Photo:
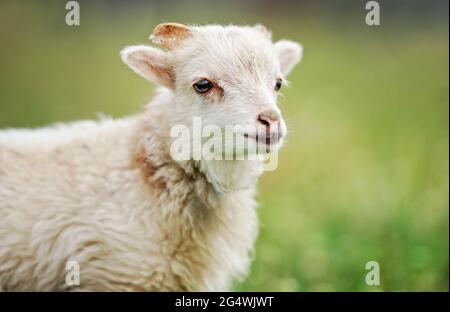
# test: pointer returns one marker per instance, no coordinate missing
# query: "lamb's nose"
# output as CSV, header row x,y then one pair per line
x,y
270,119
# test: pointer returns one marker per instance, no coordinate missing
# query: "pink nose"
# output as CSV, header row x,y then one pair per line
x,y
270,119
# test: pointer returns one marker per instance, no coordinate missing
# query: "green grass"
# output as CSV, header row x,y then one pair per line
x,y
363,176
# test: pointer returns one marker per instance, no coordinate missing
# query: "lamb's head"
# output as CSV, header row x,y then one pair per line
x,y
227,75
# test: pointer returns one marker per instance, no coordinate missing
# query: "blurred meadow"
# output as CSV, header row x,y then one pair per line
x,y
364,174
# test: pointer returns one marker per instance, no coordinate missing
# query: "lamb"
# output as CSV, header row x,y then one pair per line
x,y
108,195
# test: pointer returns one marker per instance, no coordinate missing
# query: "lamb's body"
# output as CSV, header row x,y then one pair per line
x,y
108,194
87,192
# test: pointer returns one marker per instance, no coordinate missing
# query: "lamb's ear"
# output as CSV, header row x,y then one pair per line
x,y
170,35
289,53
151,63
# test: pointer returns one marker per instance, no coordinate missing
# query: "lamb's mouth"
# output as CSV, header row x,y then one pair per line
x,y
267,139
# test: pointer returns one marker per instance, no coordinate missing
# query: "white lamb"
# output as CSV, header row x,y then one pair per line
x,y
108,195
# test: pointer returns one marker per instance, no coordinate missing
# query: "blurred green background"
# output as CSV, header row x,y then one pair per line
x,y
364,174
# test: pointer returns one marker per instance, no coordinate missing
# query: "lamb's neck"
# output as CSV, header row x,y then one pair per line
x,y
230,175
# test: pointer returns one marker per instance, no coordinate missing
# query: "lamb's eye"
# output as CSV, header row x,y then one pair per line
x,y
203,86
278,84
